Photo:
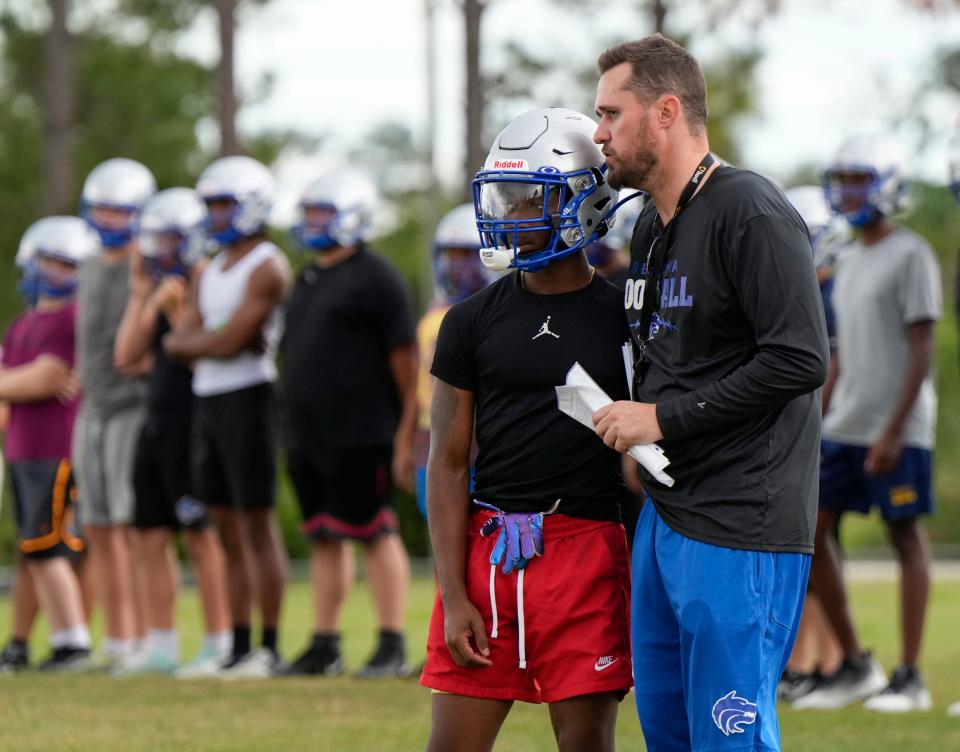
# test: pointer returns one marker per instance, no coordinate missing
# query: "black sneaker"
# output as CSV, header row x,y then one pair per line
x,y
795,684
386,663
904,694
854,681
315,662
15,657
67,659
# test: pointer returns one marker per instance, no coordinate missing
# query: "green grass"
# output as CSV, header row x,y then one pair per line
x,y
101,714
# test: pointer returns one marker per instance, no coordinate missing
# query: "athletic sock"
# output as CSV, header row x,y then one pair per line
x,y
391,641
60,638
269,640
78,636
164,642
241,639
220,643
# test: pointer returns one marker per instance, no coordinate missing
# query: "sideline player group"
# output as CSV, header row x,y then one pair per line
x,y
143,402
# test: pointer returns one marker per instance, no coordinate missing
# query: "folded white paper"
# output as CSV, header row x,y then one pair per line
x,y
580,397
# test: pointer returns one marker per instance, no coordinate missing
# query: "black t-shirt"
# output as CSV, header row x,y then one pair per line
x,y
735,366
341,325
511,348
171,393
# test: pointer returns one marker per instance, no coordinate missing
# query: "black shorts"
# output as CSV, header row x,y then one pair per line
x,y
44,505
161,477
234,446
344,493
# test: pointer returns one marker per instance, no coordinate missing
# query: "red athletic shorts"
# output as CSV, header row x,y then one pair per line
x,y
576,606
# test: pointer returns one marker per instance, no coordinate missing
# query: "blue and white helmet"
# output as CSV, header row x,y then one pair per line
x,y
457,279
954,166
883,193
251,188
545,165
828,231
171,231
350,200
121,184
67,239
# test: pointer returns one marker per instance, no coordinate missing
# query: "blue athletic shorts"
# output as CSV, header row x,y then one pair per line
x,y
904,494
712,629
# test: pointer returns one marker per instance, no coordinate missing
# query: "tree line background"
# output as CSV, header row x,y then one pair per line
x,y
85,80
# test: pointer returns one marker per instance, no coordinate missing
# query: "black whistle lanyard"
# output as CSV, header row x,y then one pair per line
x,y
657,258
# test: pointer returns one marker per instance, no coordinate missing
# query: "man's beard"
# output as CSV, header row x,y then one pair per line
x,y
634,172
635,167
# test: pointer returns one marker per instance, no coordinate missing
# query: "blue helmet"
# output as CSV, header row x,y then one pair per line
x,y
349,200
171,232
120,184
828,231
249,186
67,239
883,190
544,175
457,278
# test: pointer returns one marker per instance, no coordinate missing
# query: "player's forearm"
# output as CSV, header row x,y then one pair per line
x,y
194,344
448,500
833,373
28,384
403,368
135,332
921,358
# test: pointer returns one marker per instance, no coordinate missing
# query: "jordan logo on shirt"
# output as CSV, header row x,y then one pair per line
x,y
545,329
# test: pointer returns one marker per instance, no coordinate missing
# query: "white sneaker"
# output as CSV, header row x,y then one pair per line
x,y
205,665
262,663
854,681
904,694
154,662
954,709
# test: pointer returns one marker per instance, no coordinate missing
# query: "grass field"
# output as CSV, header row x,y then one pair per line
x,y
97,713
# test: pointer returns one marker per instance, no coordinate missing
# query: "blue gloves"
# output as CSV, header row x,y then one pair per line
x,y
521,536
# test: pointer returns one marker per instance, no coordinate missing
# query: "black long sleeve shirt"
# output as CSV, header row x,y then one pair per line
x,y
735,366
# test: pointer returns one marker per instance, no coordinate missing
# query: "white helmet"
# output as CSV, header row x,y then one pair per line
x,y
118,183
249,185
171,231
67,239
546,165
458,278
884,189
828,231
954,162
350,199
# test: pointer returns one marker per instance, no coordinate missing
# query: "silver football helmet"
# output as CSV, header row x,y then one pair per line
x,y
120,184
171,231
69,240
250,189
544,178
337,209
828,231
883,190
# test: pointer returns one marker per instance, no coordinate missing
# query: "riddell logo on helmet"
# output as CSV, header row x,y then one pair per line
x,y
509,164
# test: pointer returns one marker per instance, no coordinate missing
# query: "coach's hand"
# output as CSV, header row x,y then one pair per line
x,y
623,424
461,623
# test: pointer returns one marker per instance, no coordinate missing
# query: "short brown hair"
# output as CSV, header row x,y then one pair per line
x,y
661,66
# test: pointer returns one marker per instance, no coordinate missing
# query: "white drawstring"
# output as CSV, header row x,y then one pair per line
x,y
521,630
493,598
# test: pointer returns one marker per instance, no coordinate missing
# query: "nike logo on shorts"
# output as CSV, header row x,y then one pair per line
x,y
604,663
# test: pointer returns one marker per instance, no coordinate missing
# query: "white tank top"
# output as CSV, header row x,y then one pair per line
x,y
221,293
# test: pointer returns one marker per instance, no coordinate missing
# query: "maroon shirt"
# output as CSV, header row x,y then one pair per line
x,y
42,429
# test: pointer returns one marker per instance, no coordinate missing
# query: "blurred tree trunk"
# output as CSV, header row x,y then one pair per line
x,y
58,166
476,150
658,9
226,84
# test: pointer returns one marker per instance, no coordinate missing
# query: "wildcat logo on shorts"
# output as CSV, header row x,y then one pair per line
x,y
732,712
